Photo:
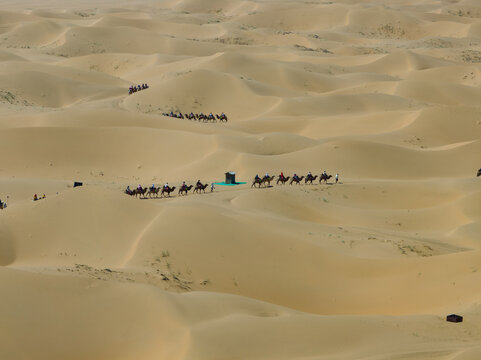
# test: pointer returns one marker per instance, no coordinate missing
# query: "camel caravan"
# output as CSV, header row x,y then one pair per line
x,y
134,89
166,190
295,179
198,117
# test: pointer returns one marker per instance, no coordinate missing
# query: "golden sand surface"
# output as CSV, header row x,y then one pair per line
x,y
385,93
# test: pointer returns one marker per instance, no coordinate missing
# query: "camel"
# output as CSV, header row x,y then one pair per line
x,y
167,190
154,191
257,181
479,172
221,117
267,179
185,189
296,180
324,177
310,178
283,180
140,192
200,187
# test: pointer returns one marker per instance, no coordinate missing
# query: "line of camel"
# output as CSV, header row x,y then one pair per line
x,y
198,117
308,179
165,190
134,89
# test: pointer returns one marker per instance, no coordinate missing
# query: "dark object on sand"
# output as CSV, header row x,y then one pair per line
x,y
479,172
77,183
230,177
454,318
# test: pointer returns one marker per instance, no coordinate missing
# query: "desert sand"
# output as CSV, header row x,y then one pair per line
x,y
385,93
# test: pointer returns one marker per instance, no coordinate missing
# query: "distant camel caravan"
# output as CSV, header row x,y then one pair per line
x,y
134,89
308,179
198,117
165,190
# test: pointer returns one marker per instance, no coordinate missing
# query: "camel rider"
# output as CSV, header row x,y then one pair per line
x,y
128,191
324,173
295,177
139,187
267,175
309,175
183,185
166,185
337,178
199,184
282,175
152,187
257,178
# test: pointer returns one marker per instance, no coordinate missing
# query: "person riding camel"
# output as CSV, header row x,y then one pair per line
x,y
152,187
257,178
295,177
35,198
139,187
198,184
183,185
309,175
166,185
282,175
266,176
128,191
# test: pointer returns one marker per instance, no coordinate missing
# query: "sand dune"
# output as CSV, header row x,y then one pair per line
x,y
385,94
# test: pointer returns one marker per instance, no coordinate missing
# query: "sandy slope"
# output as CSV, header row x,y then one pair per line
x,y
384,93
